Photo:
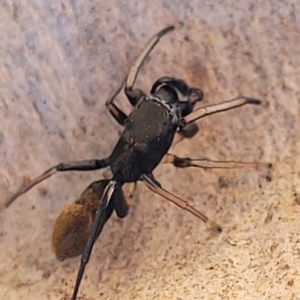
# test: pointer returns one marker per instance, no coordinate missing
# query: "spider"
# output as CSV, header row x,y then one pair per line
x,y
149,131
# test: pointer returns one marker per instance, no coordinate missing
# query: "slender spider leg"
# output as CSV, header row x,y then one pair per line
x,y
103,203
156,188
223,106
134,95
184,162
114,110
85,165
145,53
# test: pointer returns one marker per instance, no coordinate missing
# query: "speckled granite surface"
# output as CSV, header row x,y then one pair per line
x,y
59,62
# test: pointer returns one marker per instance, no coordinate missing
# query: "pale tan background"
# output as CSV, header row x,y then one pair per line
x,y
59,62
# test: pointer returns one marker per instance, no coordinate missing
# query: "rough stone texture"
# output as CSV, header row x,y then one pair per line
x,y
59,60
